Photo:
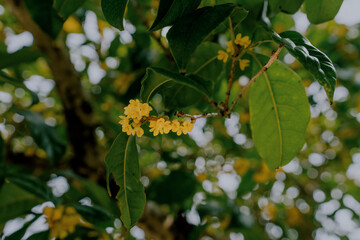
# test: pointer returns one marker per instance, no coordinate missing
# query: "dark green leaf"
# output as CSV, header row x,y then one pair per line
x,y
95,215
43,13
211,208
174,188
15,82
312,58
67,7
122,161
15,202
279,113
114,12
32,185
170,10
40,236
287,6
319,11
24,55
45,136
155,78
247,184
188,32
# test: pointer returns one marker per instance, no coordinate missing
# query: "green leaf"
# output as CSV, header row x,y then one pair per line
x,y
114,12
247,184
67,7
43,13
188,32
155,78
319,11
15,202
32,185
174,188
122,161
287,6
44,135
312,58
170,10
95,215
15,82
279,113
40,236
24,55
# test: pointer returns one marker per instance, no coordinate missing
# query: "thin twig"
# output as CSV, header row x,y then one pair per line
x,y
272,59
194,117
235,58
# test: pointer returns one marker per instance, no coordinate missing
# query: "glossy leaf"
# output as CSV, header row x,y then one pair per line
x,y
155,78
319,11
279,113
114,11
15,202
95,215
170,10
32,185
15,82
44,135
188,32
312,58
43,13
287,6
67,7
122,161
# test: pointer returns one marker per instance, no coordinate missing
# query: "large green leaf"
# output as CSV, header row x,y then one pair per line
x,y
24,55
114,12
15,82
188,32
287,6
43,13
95,215
44,135
312,58
155,78
122,161
170,10
67,7
247,184
319,11
15,202
279,113
32,185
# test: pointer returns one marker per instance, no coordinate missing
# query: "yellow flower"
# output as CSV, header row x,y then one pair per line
x,y
157,126
137,129
241,166
167,127
186,127
242,41
230,47
244,63
126,127
222,55
136,110
264,174
176,127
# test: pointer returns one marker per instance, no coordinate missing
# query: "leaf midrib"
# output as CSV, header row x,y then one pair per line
x,y
125,189
275,108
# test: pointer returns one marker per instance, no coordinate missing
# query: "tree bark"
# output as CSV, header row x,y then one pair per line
x,y
87,159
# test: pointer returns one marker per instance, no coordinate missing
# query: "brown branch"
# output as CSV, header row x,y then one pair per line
x,y
194,117
273,58
235,58
87,158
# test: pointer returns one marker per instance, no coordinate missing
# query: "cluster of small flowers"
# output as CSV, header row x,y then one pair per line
x,y
137,113
62,221
240,41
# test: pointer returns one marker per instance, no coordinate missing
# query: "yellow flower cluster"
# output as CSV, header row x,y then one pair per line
x,y
243,42
165,126
137,113
62,221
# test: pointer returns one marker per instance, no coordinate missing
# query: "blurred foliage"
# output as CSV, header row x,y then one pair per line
x,y
214,177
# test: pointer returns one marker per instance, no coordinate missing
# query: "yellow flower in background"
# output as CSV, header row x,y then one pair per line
x,y
230,47
72,25
222,55
264,174
241,166
62,221
242,41
244,63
